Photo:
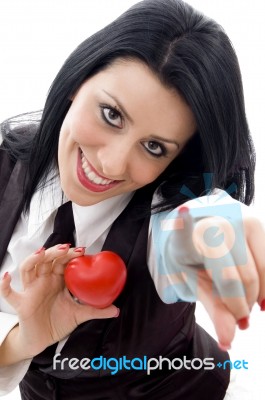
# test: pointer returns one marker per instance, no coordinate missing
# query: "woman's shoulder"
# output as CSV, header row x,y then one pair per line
x,y
16,133
21,124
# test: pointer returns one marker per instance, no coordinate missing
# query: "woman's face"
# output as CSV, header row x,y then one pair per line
x,y
122,130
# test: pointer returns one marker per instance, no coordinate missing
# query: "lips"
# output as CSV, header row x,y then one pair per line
x,y
89,177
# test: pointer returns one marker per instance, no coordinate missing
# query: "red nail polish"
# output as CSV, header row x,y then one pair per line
x,y
262,305
39,250
243,323
79,249
5,275
183,210
64,246
117,313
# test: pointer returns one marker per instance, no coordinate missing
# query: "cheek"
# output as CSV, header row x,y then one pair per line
x,y
80,128
85,136
148,172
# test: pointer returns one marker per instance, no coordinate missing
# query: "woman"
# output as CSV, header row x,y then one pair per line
x,y
144,106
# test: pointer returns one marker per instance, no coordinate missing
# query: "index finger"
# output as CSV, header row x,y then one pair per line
x,y
59,263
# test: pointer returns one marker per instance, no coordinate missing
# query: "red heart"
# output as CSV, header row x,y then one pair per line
x,y
97,279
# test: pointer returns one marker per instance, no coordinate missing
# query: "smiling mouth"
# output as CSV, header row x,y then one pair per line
x,y
89,177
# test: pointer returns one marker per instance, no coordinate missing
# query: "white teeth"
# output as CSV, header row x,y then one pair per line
x,y
98,180
84,164
91,175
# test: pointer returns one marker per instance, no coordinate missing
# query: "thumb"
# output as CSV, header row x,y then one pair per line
x,y
87,312
172,239
179,241
7,292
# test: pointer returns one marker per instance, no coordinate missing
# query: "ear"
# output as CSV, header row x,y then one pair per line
x,y
72,97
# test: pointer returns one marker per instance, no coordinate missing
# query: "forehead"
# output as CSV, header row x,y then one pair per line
x,y
146,99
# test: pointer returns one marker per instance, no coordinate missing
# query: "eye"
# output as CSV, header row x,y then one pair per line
x,y
112,116
155,148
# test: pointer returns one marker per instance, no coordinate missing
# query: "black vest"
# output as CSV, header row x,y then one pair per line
x,y
145,328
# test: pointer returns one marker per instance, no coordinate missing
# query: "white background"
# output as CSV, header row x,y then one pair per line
x,y
37,35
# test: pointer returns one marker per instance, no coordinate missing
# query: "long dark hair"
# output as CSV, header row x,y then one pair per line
x,y
188,52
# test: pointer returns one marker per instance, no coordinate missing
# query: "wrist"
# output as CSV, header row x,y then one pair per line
x,y
13,350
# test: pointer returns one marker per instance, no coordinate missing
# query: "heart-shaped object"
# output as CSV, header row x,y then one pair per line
x,y
97,279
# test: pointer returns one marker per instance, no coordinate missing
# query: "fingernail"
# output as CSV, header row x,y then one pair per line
x,y
5,275
79,249
64,246
117,313
243,323
224,347
262,305
183,210
39,250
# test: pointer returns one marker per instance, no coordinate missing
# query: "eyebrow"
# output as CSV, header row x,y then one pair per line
x,y
131,120
165,140
119,105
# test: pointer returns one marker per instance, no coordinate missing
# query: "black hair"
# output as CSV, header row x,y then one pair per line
x,y
188,52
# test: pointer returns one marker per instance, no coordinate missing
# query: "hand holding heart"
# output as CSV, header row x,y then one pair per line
x,y
96,280
46,310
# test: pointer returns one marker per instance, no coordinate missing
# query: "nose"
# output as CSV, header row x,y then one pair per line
x,y
114,159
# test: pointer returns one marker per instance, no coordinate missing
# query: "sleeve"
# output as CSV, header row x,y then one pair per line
x,y
161,281
11,375
161,267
